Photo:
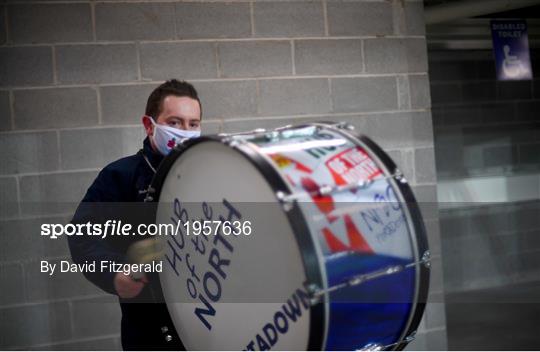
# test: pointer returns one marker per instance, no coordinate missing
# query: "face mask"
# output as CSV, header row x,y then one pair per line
x,y
166,137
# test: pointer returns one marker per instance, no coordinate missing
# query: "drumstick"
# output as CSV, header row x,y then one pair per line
x,y
144,252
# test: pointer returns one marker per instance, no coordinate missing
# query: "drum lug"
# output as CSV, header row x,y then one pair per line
x,y
326,190
285,200
426,259
345,126
372,347
149,192
233,142
272,136
407,339
378,347
411,337
398,175
314,294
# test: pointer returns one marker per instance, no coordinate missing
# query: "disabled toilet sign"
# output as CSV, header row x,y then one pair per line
x,y
511,50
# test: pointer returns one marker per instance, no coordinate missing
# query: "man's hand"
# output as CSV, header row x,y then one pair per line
x,y
127,287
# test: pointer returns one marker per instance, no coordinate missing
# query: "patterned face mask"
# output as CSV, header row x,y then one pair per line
x,y
166,137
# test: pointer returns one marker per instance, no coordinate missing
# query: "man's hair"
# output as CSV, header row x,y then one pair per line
x,y
170,87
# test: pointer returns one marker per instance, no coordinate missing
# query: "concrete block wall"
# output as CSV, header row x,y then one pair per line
x,y
74,79
484,128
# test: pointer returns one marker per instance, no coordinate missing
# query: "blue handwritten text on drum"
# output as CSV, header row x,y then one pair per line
x,y
385,219
210,292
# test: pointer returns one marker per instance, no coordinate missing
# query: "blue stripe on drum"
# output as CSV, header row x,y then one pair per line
x,y
373,312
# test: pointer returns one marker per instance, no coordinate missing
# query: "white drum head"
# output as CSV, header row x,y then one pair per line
x,y
265,269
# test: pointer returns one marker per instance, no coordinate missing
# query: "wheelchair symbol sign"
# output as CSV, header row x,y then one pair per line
x,y
511,49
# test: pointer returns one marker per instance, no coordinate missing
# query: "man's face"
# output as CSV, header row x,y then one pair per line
x,y
183,113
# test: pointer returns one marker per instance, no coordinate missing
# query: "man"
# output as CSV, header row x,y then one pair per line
x,y
173,113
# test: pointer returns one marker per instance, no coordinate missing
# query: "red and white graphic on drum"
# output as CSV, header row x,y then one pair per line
x,y
352,165
300,175
356,241
324,203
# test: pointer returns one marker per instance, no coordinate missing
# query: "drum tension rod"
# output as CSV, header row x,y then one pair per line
x,y
323,190
272,135
261,131
246,133
356,280
326,190
234,139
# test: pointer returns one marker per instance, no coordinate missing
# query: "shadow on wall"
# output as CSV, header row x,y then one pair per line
x,y
487,147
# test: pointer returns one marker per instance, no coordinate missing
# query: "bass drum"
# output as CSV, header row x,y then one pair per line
x,y
302,237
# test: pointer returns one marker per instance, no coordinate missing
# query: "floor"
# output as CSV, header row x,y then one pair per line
x,y
504,318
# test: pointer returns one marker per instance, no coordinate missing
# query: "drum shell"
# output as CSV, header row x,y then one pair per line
x,y
328,325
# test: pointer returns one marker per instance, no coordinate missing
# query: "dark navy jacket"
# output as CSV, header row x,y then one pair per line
x,y
116,194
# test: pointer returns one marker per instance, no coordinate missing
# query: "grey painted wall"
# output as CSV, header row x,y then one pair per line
x,y
74,78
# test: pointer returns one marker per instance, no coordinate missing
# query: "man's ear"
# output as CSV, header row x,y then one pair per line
x,y
148,125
